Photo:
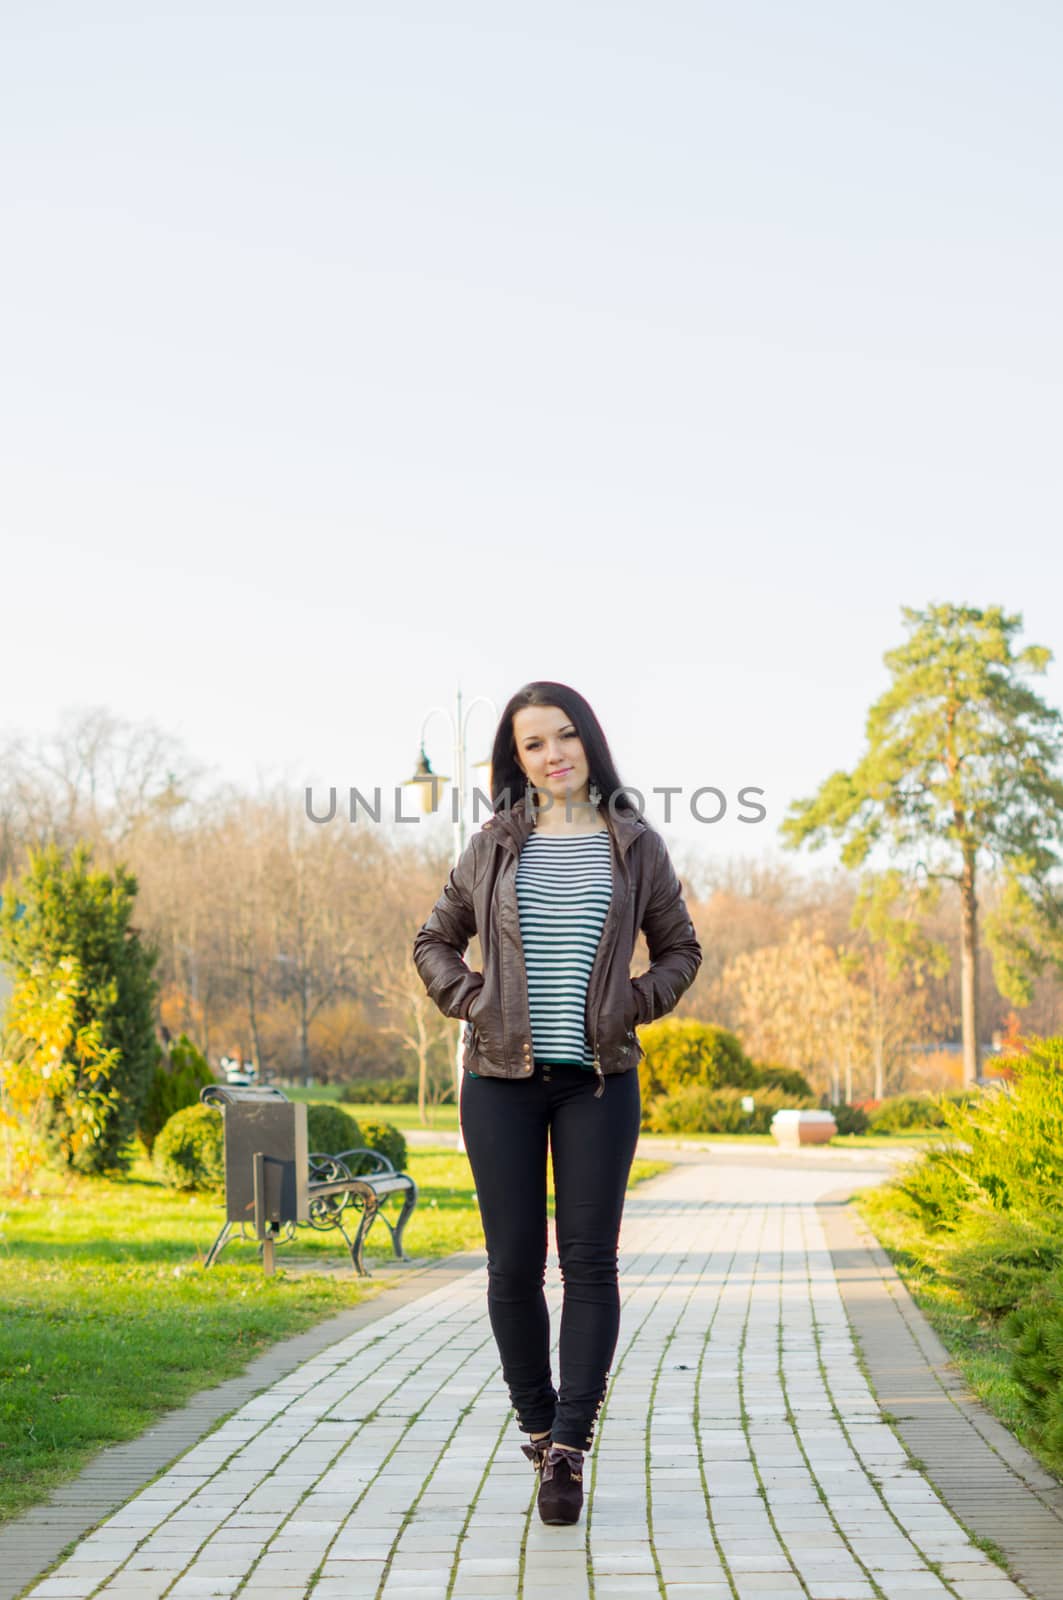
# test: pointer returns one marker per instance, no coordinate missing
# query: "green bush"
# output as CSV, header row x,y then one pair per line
x,y
1001,1150
849,1119
189,1151
997,1258
902,1112
988,1198
681,1053
788,1079
330,1129
387,1140
174,1085
1037,1360
937,1188
380,1091
699,1110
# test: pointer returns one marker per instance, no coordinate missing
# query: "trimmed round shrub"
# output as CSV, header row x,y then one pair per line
x,y
788,1079
330,1130
189,1152
175,1084
385,1138
680,1052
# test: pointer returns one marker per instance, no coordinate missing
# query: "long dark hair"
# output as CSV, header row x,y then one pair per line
x,y
507,779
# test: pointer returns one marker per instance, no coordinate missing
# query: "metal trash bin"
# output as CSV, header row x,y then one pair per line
x,y
266,1163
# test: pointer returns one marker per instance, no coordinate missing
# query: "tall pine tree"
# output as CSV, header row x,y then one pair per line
x,y
961,774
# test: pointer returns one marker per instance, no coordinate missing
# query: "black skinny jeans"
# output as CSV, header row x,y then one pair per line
x,y
505,1124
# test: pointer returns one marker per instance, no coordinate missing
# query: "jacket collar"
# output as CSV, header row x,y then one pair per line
x,y
511,828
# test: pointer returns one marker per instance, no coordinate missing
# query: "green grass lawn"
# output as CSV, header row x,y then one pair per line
x,y
440,1118
972,1340
108,1318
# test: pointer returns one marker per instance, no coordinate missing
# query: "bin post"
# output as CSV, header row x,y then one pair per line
x,y
262,1225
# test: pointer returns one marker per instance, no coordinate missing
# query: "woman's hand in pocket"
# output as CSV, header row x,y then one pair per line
x,y
471,1008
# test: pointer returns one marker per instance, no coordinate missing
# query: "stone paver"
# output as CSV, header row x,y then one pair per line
x,y
740,1453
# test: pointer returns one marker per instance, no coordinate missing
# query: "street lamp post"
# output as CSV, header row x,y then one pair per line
x,y
430,784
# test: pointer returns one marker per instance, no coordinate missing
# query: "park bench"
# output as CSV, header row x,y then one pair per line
x,y
274,1185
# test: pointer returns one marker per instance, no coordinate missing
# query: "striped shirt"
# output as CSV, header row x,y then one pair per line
x,y
564,886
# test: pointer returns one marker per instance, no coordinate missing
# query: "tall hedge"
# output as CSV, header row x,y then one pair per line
x,y
63,907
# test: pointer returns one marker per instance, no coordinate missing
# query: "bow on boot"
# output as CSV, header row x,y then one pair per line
x,y
537,1451
561,1485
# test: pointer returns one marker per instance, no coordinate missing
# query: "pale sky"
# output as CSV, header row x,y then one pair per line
x,y
350,352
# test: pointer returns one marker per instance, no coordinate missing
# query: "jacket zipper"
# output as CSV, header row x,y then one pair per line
x,y
524,985
602,957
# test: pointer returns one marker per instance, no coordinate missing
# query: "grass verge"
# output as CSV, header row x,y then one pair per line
x,y
108,1318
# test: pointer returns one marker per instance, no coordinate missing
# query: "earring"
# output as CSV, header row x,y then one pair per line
x,y
595,794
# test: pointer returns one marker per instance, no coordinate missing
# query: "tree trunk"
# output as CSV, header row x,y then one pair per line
x,y
252,1017
304,1031
972,1050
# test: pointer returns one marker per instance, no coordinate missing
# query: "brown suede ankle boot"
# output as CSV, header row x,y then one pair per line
x,y
561,1485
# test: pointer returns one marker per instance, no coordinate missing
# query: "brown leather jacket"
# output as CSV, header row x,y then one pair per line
x,y
480,897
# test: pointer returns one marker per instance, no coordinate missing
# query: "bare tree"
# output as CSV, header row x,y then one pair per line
x,y
320,899
97,778
415,1020
792,1006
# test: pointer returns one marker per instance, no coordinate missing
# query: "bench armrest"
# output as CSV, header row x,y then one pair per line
x,y
385,1165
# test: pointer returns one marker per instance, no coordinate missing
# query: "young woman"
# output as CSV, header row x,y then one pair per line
x,y
557,884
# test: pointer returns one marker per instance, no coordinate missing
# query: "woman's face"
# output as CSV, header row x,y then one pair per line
x,y
550,753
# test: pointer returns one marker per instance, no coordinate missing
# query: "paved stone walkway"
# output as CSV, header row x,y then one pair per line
x,y
740,1452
